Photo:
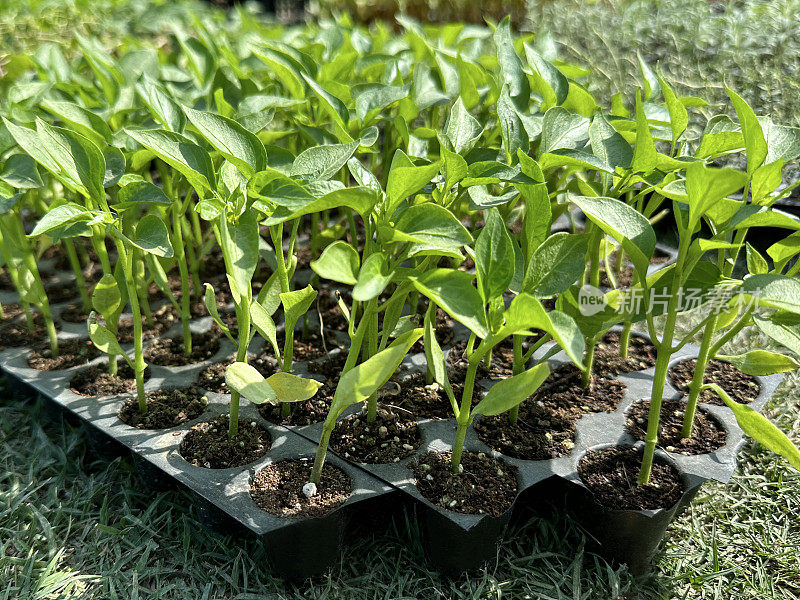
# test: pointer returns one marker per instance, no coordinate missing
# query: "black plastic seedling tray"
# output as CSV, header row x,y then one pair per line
x,y
454,541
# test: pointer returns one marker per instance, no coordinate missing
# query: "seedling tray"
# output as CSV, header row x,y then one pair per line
x,y
455,542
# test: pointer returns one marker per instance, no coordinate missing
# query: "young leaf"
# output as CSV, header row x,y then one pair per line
x,y
512,129
151,235
338,262
249,383
761,362
556,264
360,382
161,105
509,392
373,278
291,388
453,291
551,84
20,172
758,427
562,129
407,180
323,162
624,223
101,337
494,257
435,359
106,298
140,192
754,141
61,217
608,144
756,264
183,155
239,242
296,304
462,130
210,300
706,186
260,319
431,229
511,73
233,141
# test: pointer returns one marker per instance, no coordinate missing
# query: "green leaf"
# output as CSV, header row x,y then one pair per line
x,y
360,199
338,262
296,304
512,129
260,319
462,130
758,427
115,166
453,291
785,333
624,223
608,144
431,229
494,257
373,98
183,155
652,84
140,192
373,278
20,172
249,383
101,337
678,115
407,180
511,73
754,141
508,393
454,167
556,264
761,362
82,120
323,162
363,380
284,70
291,388
706,186
81,165
551,83
335,108
435,358
773,290
562,129
645,155
210,300
160,104
106,298
783,143
152,236
60,217
233,141
526,313
756,264
239,242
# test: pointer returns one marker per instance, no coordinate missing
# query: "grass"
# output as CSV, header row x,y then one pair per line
x,y
75,526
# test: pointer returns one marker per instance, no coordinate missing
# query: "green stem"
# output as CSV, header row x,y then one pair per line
x,y
138,354
625,340
80,281
697,379
243,320
180,255
519,365
322,450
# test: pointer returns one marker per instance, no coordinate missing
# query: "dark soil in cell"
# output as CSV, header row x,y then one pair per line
x,y
11,311
611,474
313,410
312,347
564,392
61,291
540,433
502,363
96,380
165,408
329,366
74,313
444,332
169,352
278,489
304,257
641,355
485,485
390,438
708,434
208,445
421,400
330,314
741,387
212,378
15,333
162,319
71,353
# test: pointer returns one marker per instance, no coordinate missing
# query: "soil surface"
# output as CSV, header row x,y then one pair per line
x,y
74,313
11,311
485,485
502,364
163,318
329,311
540,433
208,445
14,332
278,489
96,380
70,354
61,291
444,332
625,275
169,352
309,348
212,378
708,434
313,410
390,438
563,392
165,408
641,355
330,365
413,396
611,474
741,387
